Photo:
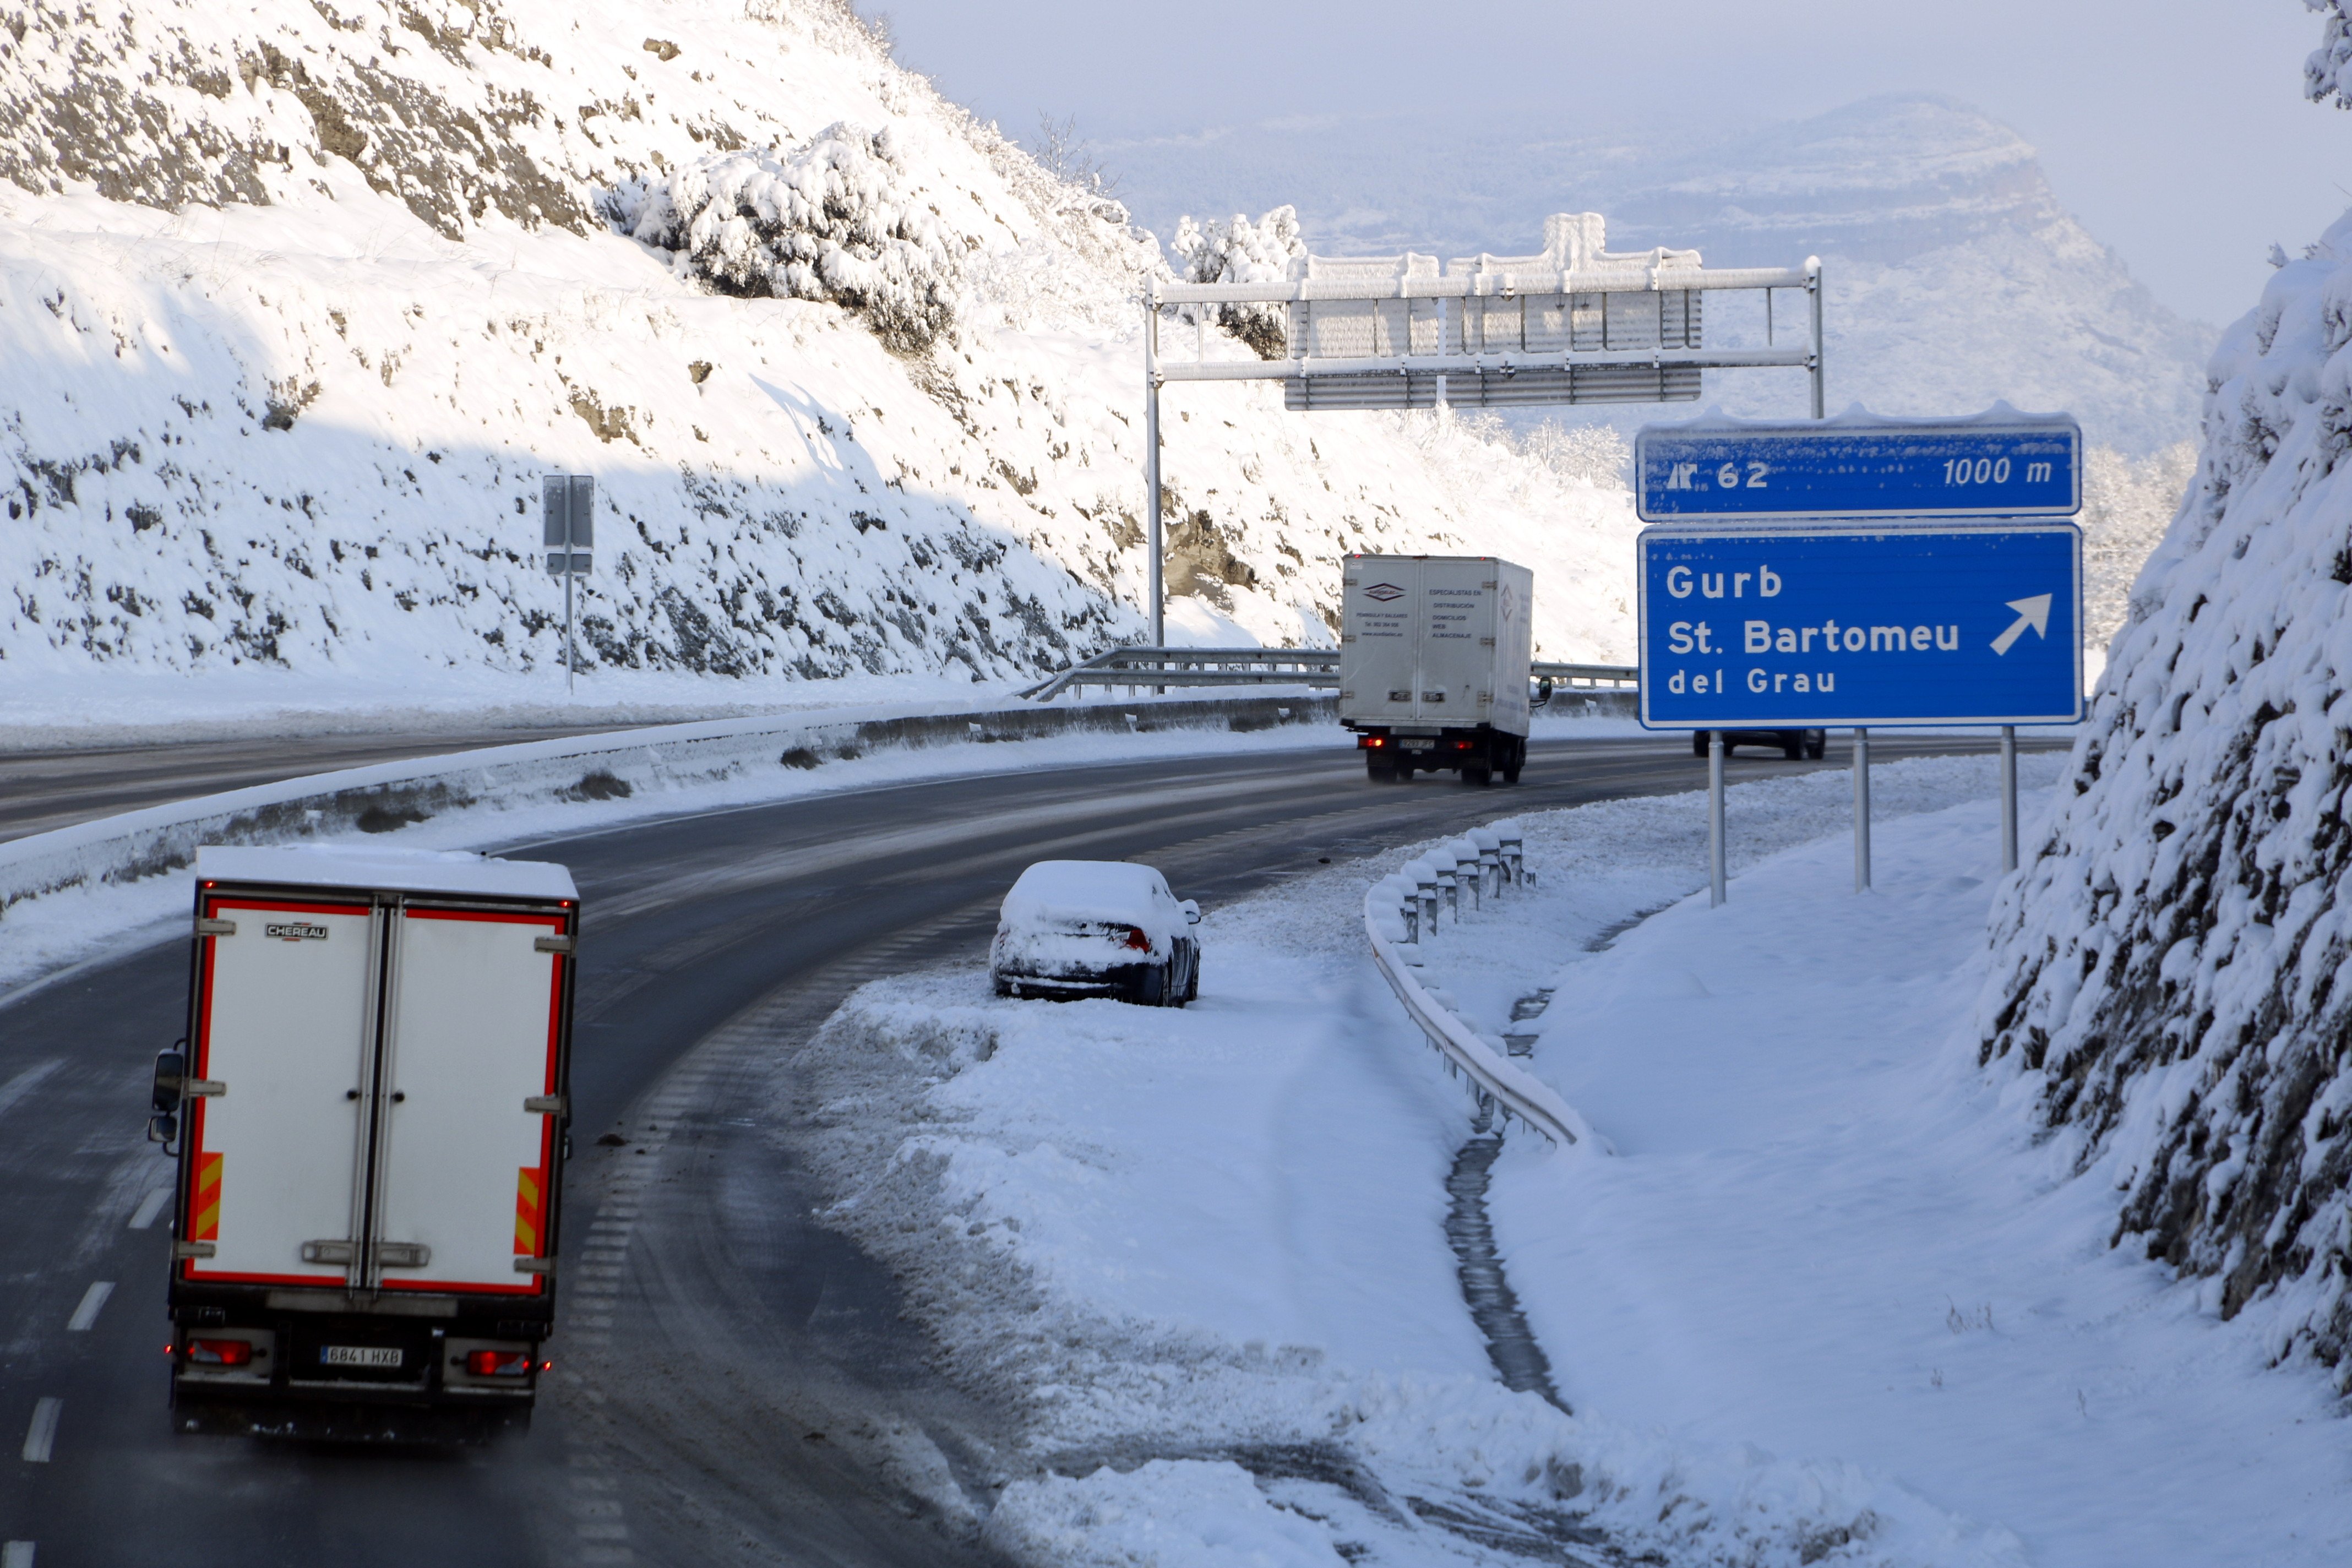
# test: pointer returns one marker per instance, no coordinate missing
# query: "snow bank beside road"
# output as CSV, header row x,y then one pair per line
x,y
1827,1234
1203,1251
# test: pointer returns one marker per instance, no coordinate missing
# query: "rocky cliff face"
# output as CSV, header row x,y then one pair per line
x,y
2172,974
299,301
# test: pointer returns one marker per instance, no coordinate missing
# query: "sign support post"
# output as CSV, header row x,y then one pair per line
x,y
2008,799
1715,889
1861,810
1153,595
569,503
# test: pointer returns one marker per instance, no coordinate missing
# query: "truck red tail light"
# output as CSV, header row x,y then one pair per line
x,y
498,1363
1137,940
220,1352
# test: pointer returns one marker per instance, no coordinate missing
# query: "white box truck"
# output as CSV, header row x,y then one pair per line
x,y
370,1116
1434,658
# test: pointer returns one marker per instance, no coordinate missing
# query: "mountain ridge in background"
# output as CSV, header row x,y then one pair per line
x,y
1955,275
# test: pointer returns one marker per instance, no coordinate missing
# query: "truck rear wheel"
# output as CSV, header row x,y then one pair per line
x,y
1379,768
1477,773
1516,759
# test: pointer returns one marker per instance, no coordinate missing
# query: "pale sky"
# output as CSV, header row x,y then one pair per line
x,y
2176,129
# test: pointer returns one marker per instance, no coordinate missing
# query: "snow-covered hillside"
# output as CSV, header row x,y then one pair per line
x,y
298,302
1955,276
2169,975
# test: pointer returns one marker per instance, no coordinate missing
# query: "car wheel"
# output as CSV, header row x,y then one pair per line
x,y
1698,742
1005,988
1793,748
1818,747
1193,979
1151,987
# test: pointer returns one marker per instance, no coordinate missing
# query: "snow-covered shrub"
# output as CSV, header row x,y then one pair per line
x,y
2128,502
838,219
1240,251
2173,970
2328,72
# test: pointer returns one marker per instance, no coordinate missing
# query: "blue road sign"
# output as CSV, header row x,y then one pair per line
x,y
1807,627
2001,464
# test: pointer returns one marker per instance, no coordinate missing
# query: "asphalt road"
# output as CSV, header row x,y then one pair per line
x,y
42,790
746,1388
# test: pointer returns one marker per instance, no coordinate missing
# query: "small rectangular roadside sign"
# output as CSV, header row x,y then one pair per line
x,y
1791,628
1997,464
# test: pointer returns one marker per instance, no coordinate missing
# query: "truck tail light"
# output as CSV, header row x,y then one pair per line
x,y
1137,940
220,1352
498,1363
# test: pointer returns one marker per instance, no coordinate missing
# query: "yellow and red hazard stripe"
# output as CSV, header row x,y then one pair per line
x,y
205,1224
530,1207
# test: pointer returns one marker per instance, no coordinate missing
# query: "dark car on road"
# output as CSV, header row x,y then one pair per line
x,y
1797,745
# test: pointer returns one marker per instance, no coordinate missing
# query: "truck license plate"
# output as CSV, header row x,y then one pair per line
x,y
1417,745
360,1355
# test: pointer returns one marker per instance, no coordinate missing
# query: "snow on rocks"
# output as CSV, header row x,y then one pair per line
x,y
2168,984
303,428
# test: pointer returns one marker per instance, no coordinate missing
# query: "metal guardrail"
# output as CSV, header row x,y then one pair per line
x,y
1316,666
1402,912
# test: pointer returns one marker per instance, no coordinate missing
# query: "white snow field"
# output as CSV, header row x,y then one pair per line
x,y
1827,1301
301,303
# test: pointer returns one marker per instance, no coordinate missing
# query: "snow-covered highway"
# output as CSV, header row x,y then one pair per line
x,y
733,1380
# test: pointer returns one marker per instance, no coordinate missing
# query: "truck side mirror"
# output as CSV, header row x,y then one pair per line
x,y
170,1071
162,1128
1543,692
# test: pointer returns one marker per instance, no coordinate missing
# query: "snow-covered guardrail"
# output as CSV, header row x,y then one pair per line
x,y
551,774
1402,915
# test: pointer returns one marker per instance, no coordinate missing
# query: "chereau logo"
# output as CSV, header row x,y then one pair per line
x,y
1384,591
297,931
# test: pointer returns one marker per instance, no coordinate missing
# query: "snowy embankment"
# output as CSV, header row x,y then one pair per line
x,y
2169,989
301,303
1829,1301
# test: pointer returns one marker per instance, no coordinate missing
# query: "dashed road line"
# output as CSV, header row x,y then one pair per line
x,y
149,1207
42,1436
92,1300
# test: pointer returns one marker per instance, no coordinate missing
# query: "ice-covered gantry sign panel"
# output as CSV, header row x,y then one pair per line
x,y
1999,463
1574,324
1813,626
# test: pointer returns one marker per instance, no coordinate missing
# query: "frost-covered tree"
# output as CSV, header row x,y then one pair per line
x,y
2327,74
1240,251
838,219
2173,970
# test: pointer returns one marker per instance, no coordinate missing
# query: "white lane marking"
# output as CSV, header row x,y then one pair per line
x,y
26,1082
42,1436
92,1300
149,1207
16,1554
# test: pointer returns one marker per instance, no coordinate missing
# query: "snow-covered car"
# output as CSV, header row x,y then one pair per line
x,y
1097,928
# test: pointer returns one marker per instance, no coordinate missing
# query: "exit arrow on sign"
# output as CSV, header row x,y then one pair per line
x,y
2033,612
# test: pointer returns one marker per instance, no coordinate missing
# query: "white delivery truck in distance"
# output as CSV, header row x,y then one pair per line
x,y
370,1116
1434,658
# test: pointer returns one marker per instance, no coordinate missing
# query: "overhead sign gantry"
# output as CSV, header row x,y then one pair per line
x,y
1576,323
